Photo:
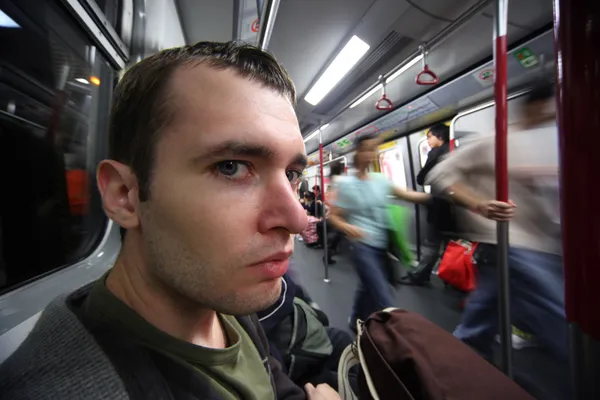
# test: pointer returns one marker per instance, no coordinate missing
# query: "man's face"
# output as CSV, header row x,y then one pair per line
x,y
433,141
219,222
366,153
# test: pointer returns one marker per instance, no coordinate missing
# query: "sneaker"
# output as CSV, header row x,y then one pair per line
x,y
520,339
519,343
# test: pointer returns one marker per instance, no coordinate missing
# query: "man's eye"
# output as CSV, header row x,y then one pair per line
x,y
233,169
293,176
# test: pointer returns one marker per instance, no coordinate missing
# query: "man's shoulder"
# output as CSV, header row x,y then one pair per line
x,y
344,179
59,359
379,178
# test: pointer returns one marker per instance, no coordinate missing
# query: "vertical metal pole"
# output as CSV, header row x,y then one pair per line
x,y
237,20
268,12
500,96
577,35
326,255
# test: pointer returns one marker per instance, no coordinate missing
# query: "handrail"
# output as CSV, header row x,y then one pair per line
x,y
383,104
433,78
501,167
267,23
432,43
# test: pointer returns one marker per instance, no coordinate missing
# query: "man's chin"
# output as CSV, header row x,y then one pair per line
x,y
258,299
269,293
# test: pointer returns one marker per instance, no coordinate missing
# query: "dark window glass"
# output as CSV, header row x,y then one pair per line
x,y
55,90
112,11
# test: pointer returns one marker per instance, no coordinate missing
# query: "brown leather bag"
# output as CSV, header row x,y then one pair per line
x,y
404,356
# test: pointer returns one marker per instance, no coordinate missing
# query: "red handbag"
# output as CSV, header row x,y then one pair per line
x,y
457,267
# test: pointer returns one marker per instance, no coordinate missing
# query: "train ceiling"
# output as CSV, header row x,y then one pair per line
x,y
308,34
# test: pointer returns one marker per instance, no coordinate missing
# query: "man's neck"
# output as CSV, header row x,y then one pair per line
x,y
362,174
131,282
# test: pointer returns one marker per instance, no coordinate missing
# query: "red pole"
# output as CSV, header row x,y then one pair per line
x,y
501,100
577,35
325,249
322,172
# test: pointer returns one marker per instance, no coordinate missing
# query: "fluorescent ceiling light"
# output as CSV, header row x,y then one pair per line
x,y
82,80
324,127
404,68
366,96
7,22
354,50
312,135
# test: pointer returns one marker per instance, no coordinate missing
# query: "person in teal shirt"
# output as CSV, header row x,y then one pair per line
x,y
360,212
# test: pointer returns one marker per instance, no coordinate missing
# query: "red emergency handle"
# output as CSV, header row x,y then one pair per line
x,y
427,72
384,103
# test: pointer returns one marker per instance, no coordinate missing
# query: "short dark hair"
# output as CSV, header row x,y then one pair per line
x,y
317,187
362,139
541,91
141,109
336,169
441,131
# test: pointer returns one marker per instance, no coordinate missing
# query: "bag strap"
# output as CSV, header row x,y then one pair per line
x,y
349,359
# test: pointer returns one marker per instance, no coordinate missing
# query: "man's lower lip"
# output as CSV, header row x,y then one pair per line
x,y
272,269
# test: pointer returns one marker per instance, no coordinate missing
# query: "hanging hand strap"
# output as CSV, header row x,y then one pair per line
x,y
430,77
383,104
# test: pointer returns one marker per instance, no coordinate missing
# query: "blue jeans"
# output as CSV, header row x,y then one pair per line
x,y
537,301
374,292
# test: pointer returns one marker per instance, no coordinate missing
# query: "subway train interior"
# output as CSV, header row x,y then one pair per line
x,y
390,69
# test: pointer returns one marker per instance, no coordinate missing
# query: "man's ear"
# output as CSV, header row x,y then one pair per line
x,y
119,190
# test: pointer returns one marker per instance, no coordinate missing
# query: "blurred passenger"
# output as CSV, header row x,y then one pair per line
x,y
207,195
537,289
311,205
303,187
440,221
334,236
360,213
317,192
300,337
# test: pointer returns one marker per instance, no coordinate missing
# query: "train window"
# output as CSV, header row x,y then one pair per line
x,y
55,90
392,166
112,12
424,150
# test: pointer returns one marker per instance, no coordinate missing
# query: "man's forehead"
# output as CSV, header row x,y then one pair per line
x,y
217,107
208,83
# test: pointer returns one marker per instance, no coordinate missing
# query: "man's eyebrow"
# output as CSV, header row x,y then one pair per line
x,y
300,160
234,148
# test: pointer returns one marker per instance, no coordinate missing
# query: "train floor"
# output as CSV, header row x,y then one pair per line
x,y
540,374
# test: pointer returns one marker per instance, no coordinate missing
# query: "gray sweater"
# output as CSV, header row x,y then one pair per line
x,y
533,187
60,359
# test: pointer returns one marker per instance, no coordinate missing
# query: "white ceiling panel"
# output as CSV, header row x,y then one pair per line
x,y
204,20
308,33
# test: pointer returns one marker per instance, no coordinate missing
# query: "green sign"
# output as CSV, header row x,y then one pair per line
x,y
526,57
343,143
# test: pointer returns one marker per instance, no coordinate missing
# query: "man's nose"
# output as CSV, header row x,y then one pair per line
x,y
282,208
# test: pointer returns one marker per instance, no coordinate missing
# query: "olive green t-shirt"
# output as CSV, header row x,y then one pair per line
x,y
236,372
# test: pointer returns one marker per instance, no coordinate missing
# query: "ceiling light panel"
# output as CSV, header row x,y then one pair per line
x,y
346,59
